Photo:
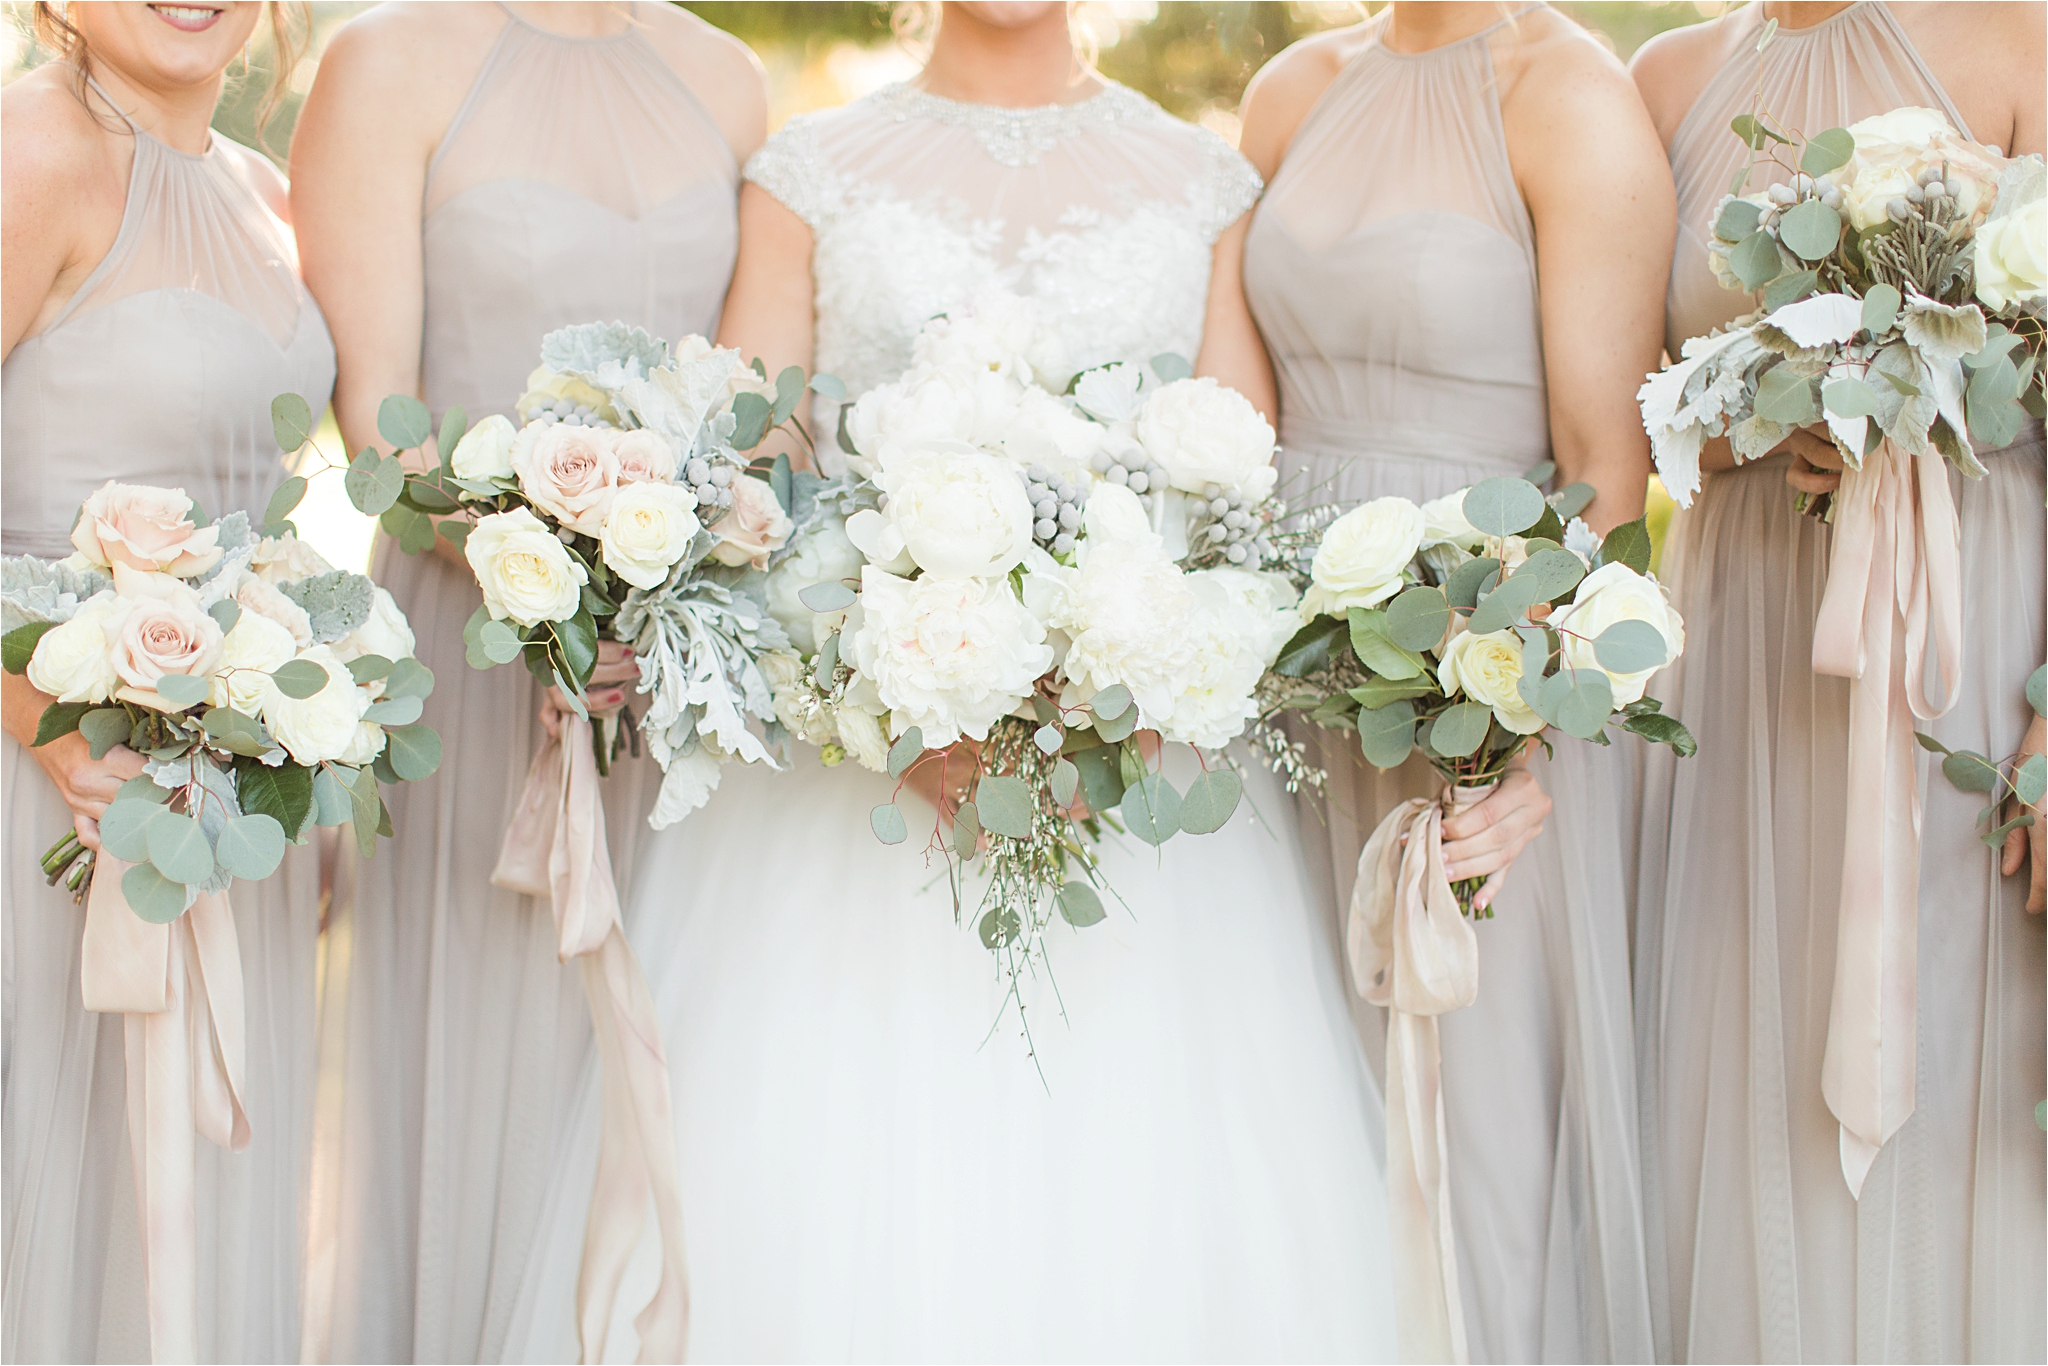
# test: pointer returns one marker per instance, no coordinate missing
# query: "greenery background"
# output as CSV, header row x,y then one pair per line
x,y
1194,58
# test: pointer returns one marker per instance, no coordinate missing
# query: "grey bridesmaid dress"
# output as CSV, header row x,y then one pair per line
x,y
580,181
160,370
1391,267
1758,1252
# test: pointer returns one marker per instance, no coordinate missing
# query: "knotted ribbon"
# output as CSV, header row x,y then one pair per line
x,y
556,847
1896,559
1412,950
179,989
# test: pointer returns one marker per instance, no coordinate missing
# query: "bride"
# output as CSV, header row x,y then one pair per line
x,y
1186,1169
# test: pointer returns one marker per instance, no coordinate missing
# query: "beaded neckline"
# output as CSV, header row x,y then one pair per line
x,y
1018,137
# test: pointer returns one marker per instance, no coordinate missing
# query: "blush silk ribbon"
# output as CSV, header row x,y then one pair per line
x,y
556,848
1412,950
178,988
1896,560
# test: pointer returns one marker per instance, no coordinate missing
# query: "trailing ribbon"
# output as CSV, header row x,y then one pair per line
x,y
555,847
179,987
1896,558
1411,949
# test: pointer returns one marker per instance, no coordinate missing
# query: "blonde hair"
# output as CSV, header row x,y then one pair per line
x,y
291,26
916,24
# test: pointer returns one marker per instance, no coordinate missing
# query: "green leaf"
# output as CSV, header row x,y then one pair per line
x,y
829,596
1630,647
291,423
1970,771
829,387
1102,781
1755,260
236,733
1585,706
1502,506
1848,396
1628,544
1461,730
1504,606
423,495
1880,309
1738,219
1048,739
225,614
331,801
1572,499
18,646
1386,734
1755,131
1210,801
499,642
1379,654
1929,743
104,728
1065,782
393,711
1997,382
284,793
369,668
1785,397
751,415
404,422
1663,730
1826,150
1308,650
1790,287
1996,837
1117,727
999,926
1377,692
966,832
2037,690
905,751
789,391
1079,906
124,826
1996,424
250,847
1112,702
413,751
1811,229
179,849
578,640
454,423
1171,366
1151,809
455,531
296,678
1005,806
151,895
1461,589
1541,473
2030,781
782,479
1551,574
1997,345
288,496
58,720
183,690
886,821
1418,617
141,788
373,482
366,811
408,678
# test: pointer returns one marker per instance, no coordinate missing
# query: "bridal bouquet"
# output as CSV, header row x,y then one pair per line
x,y
1015,583
1901,270
270,691
1463,627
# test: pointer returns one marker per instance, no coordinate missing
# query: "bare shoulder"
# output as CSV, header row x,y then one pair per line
x,y
720,70
1285,89
1559,79
1672,68
1989,58
50,144
261,175
394,48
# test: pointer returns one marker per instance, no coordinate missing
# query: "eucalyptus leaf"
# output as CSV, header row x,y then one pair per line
x,y
291,422
1102,783
2030,780
1586,704
1750,129
752,415
2037,690
1755,260
499,642
331,800
998,927
1783,396
1079,905
1112,702
1171,366
124,827
1379,654
789,391
1005,806
1065,782
103,728
225,614
1386,734
408,678
454,423
250,847
905,751
1461,730
1994,838
1550,574
966,832
887,822
1970,771
179,850
1572,499
1810,228
1848,396
288,496
1151,809
1502,506
829,387
183,690
1738,219
1629,647
827,662
1461,589
142,787
1117,727
373,482
1541,473
1210,801
1048,739
414,752
455,531
1790,287
297,678
1418,618
1929,743
369,668
1826,150
1880,309
404,422
152,896
393,711
829,596
366,810
1377,692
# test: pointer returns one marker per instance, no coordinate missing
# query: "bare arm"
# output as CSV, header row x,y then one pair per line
x,y
1233,353
64,193
769,310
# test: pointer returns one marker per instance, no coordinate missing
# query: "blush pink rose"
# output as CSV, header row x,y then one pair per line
x,y
753,528
570,473
144,528
167,632
644,458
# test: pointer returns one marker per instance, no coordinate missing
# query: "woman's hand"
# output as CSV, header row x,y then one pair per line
x,y
1816,464
602,695
86,784
1484,839
2029,845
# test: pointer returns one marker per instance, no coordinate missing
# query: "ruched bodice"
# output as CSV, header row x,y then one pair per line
x,y
161,369
581,180
1392,269
1850,66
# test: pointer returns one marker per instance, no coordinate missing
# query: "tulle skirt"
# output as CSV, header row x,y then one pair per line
x,y
1759,1252
74,1286
1179,1164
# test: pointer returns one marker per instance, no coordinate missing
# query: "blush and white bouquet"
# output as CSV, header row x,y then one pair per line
x,y
1901,269
269,691
1017,583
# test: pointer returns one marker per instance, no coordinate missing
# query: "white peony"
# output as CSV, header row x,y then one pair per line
x,y
997,332
929,405
1610,594
321,727
1362,557
525,573
1241,620
822,554
646,530
957,512
73,662
1045,431
862,734
1129,616
1488,669
485,451
385,632
950,656
248,653
2012,256
1202,433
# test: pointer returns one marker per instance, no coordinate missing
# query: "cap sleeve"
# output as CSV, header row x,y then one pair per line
x,y
1227,188
791,166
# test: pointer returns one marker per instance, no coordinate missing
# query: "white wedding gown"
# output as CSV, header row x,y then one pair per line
x,y
870,1171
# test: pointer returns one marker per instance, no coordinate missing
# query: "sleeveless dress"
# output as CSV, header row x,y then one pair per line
x,y
1758,1250
1391,268
873,1167
580,181
160,370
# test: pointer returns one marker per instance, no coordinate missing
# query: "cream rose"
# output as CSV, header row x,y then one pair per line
x,y
385,632
1202,433
144,528
1488,670
254,595
321,727
648,529
570,473
248,654
951,656
525,572
1444,523
644,458
753,528
1610,594
1895,147
485,451
545,387
286,559
369,742
167,632
1363,556
957,512
73,662
2012,256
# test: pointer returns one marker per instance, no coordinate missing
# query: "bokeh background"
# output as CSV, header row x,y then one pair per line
x,y
1194,58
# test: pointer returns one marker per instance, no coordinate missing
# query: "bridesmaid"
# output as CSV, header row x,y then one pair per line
x,y
152,311
1455,268
1759,1252
471,177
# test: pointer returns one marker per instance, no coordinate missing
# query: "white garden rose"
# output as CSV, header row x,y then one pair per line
x,y
862,734
322,727
1610,594
525,573
1363,556
1202,433
254,595
73,662
286,559
368,744
646,530
1873,187
822,554
1488,669
957,512
2012,256
929,406
1894,147
1443,523
485,451
248,654
950,656
385,632
545,386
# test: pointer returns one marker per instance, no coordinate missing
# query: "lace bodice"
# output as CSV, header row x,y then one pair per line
x,y
1107,208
